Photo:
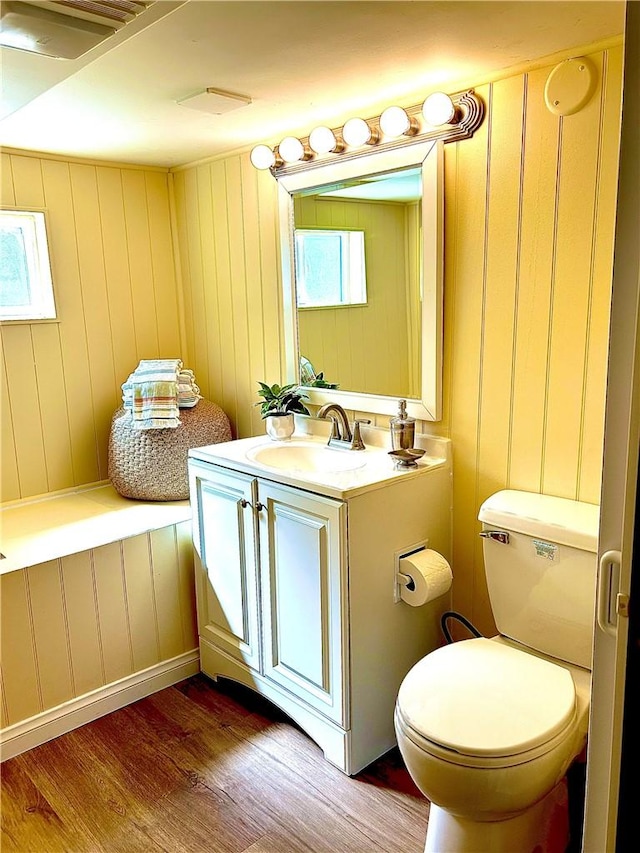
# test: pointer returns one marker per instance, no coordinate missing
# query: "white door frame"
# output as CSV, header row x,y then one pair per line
x,y
620,473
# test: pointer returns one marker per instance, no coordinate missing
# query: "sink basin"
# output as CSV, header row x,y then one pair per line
x,y
304,456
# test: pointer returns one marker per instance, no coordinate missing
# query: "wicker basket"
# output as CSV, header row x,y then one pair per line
x,y
151,465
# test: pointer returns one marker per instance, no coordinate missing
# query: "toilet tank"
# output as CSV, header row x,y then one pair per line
x,y
541,576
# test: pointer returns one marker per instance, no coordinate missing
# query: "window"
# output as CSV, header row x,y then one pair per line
x,y
330,268
26,290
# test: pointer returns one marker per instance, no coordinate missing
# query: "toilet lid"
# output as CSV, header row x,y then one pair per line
x,y
479,697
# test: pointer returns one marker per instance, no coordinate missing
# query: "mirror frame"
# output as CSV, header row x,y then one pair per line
x,y
429,156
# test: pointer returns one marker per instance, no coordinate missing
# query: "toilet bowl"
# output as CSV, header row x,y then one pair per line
x,y
488,727
488,730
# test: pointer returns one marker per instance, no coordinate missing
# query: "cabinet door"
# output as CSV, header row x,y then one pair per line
x,y
303,587
224,538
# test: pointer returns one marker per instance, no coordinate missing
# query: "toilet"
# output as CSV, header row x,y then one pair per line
x,y
488,727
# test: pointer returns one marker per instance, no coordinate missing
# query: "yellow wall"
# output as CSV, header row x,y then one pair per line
x,y
528,280
228,239
73,625
113,272
530,204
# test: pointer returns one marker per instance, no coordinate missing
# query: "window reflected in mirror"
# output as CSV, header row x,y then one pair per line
x,y
330,268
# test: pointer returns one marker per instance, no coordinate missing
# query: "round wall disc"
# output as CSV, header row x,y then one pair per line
x,y
570,86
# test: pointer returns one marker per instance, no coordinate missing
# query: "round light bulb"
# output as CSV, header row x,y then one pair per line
x,y
357,132
394,121
262,157
291,149
438,109
322,140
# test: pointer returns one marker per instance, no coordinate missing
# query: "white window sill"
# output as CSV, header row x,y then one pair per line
x,y
6,322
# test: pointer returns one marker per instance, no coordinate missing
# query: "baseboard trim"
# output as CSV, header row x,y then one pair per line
x,y
50,724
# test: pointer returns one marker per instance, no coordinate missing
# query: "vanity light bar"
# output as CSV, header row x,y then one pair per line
x,y
395,121
440,116
357,132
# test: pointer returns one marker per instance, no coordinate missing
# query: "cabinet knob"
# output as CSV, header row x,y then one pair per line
x,y
244,503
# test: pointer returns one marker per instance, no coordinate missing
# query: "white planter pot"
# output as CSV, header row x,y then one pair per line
x,y
279,427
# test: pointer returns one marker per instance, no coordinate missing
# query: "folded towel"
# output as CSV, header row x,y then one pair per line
x,y
188,396
151,393
155,404
188,392
160,365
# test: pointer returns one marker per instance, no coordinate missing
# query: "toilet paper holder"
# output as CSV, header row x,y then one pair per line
x,y
400,579
405,580
423,576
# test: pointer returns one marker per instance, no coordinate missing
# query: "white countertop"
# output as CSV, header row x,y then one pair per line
x,y
379,469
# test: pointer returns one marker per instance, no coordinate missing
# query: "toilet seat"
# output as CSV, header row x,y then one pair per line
x,y
482,703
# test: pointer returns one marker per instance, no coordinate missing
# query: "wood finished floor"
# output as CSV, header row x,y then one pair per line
x,y
203,767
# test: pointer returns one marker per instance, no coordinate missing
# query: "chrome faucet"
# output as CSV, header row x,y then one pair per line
x,y
341,435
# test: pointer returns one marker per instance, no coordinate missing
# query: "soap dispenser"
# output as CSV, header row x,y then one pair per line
x,y
403,429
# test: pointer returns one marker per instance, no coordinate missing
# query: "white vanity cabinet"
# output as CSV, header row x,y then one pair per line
x,y
286,624
304,595
225,541
295,593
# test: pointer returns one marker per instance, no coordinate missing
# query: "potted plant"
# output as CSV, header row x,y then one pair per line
x,y
320,382
278,406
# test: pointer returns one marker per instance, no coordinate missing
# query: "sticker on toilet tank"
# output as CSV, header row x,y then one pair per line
x,y
545,549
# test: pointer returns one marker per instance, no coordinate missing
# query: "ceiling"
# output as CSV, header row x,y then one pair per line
x,y
301,63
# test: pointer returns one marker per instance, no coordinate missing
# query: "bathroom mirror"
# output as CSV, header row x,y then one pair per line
x,y
362,246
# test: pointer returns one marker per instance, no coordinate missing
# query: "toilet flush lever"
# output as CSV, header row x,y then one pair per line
x,y
497,535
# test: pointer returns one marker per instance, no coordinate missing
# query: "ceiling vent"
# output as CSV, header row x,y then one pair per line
x,y
215,101
65,29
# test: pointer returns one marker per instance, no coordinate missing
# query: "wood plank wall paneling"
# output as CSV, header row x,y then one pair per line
x,y
571,284
112,262
530,207
227,232
73,625
592,426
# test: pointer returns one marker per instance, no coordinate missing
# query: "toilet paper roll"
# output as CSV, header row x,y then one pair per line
x,y
430,574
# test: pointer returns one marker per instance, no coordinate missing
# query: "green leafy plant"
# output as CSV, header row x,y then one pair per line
x,y
320,382
285,400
